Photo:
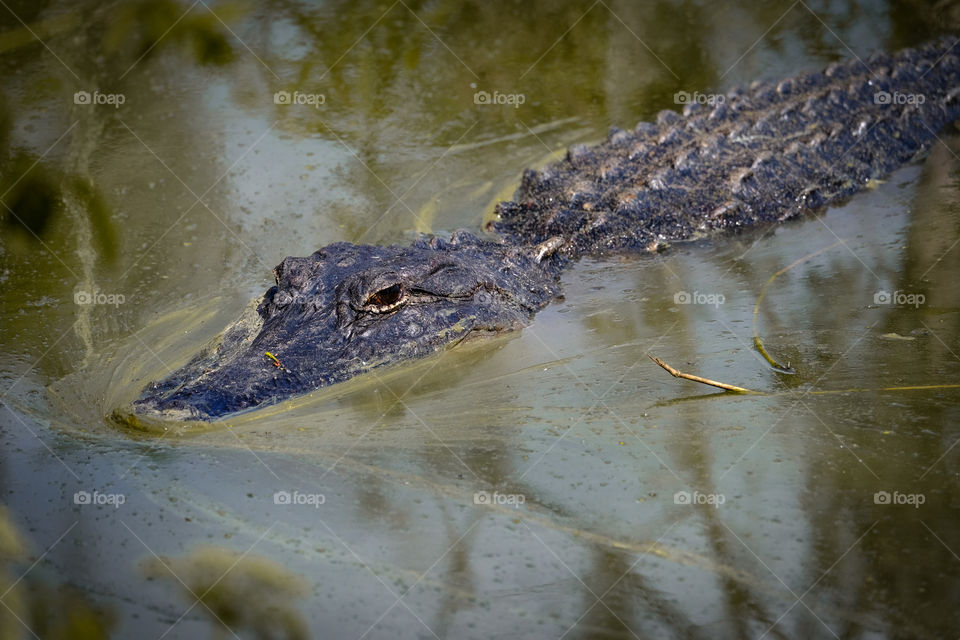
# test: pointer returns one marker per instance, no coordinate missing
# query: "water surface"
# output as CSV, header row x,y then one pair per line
x,y
552,483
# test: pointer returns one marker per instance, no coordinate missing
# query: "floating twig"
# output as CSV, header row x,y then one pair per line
x,y
757,342
686,376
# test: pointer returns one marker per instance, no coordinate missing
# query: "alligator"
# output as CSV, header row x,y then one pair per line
x,y
757,155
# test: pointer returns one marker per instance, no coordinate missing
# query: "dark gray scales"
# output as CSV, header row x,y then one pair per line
x,y
767,153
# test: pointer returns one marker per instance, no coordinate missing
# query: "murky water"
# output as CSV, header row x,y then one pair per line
x,y
552,483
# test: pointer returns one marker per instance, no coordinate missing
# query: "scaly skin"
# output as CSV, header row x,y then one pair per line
x,y
766,154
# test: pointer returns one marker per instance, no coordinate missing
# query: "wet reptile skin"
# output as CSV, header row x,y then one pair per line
x,y
767,153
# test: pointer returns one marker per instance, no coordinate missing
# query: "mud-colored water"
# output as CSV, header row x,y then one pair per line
x,y
552,483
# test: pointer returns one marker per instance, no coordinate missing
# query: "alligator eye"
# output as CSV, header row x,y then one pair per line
x,y
386,299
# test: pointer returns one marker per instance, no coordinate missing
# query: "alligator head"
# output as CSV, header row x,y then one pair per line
x,y
348,309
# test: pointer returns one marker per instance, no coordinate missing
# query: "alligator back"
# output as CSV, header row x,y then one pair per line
x,y
761,154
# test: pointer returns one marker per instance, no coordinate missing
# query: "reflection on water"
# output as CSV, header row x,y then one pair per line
x,y
239,592
32,604
552,483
